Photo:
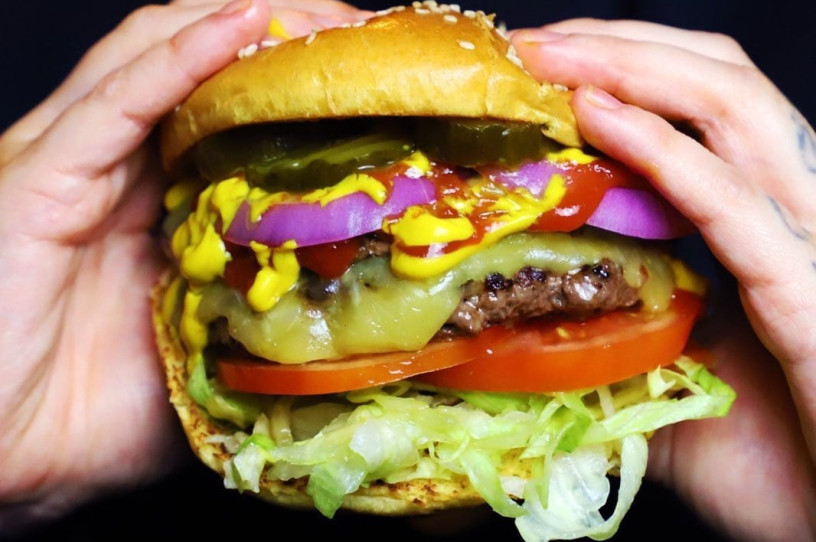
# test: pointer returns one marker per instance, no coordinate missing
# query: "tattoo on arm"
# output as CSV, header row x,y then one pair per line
x,y
796,230
806,140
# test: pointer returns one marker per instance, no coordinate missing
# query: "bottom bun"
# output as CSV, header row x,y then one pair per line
x,y
205,435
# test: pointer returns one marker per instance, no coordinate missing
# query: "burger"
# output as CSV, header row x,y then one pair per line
x,y
402,283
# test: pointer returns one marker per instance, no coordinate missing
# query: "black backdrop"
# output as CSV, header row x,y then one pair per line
x,y
40,41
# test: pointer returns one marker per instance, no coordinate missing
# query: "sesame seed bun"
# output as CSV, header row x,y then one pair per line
x,y
421,61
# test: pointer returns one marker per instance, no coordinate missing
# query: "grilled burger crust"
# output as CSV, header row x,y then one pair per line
x,y
341,73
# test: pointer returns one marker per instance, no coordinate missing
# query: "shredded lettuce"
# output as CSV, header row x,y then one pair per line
x,y
562,447
239,408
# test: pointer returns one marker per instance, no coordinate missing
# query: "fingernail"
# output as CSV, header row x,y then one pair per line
x,y
601,98
236,6
538,35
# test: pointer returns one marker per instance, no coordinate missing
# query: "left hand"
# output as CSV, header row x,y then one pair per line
x,y
84,403
747,182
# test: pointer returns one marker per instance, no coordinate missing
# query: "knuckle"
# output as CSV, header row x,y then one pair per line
x,y
108,87
750,78
728,48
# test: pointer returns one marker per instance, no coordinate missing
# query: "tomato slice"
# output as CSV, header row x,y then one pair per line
x,y
358,372
329,260
528,357
574,355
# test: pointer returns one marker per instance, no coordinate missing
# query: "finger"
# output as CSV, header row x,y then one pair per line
x,y
106,125
710,44
71,174
740,115
747,229
652,75
324,7
141,30
138,32
639,138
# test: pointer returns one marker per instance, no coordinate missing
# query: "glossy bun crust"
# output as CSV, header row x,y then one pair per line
x,y
204,435
418,61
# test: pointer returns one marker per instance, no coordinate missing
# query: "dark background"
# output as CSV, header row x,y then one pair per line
x,y
41,41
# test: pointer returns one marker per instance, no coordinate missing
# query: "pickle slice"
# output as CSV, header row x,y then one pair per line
x,y
299,156
476,142
302,156
315,166
226,154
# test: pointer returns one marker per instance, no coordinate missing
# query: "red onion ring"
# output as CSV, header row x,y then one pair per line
x,y
627,211
534,176
639,213
623,210
313,224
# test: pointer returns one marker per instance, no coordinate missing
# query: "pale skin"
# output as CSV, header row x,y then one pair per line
x,y
81,391
85,409
746,182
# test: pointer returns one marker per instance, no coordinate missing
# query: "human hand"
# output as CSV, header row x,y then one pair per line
x,y
84,403
746,181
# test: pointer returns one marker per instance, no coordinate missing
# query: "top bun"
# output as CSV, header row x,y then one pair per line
x,y
425,60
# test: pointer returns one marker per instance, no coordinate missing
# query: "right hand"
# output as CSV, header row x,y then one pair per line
x,y
746,180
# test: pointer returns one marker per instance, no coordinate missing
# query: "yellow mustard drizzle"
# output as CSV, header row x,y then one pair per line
x,y
180,193
279,272
515,211
417,227
571,154
276,29
198,247
193,332
418,165
356,182
227,197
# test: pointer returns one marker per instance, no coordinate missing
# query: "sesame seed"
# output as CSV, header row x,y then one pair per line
x,y
266,44
466,45
422,11
358,24
248,51
311,37
470,14
450,19
560,88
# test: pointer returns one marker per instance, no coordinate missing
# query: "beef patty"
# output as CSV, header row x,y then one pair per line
x,y
530,293
533,292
